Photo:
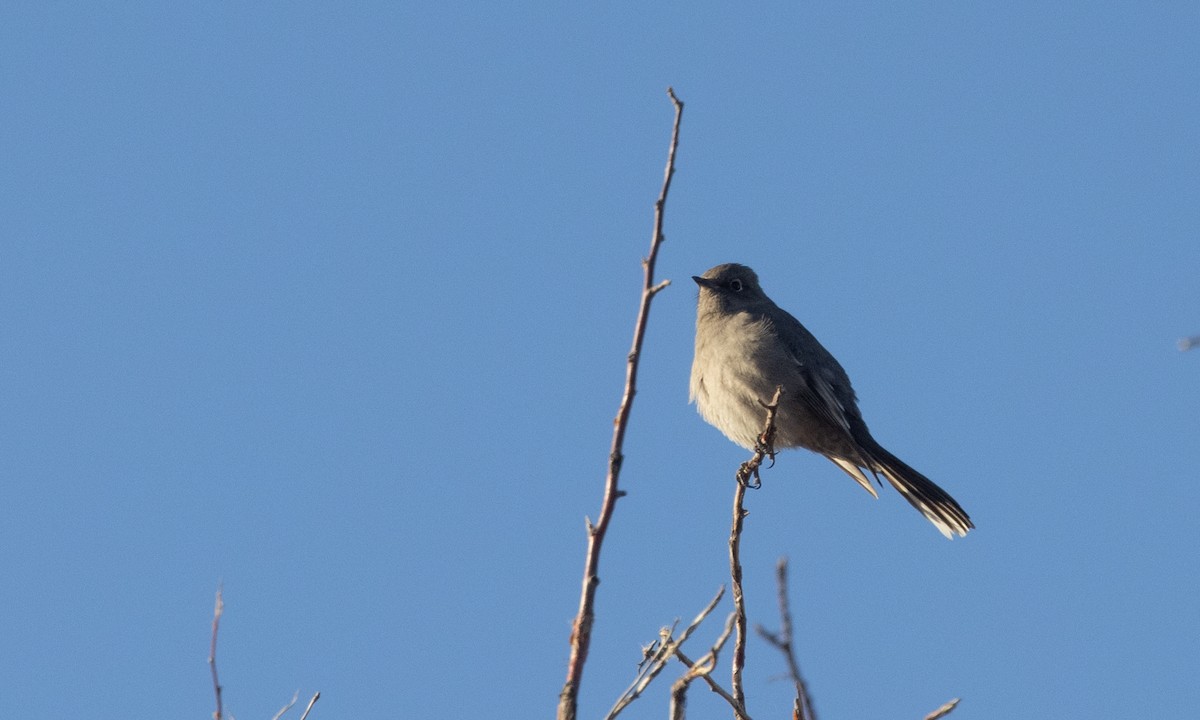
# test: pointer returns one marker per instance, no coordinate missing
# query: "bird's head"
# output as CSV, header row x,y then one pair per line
x,y
729,288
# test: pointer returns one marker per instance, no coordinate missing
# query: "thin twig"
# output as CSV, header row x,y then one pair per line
x,y
581,631
944,710
316,696
739,711
285,708
783,643
764,449
654,664
212,653
739,603
702,668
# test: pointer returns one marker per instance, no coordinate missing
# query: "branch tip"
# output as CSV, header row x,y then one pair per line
x,y
944,710
581,634
316,696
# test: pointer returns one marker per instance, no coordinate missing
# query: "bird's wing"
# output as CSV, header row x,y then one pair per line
x,y
826,388
822,397
826,391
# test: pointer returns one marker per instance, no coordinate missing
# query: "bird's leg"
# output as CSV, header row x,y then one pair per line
x,y
765,446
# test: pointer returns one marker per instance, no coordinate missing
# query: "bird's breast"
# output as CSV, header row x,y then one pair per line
x,y
732,374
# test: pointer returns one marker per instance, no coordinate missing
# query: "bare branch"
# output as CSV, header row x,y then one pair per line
x,y
703,668
739,602
212,653
739,711
658,658
679,696
748,470
783,642
581,632
944,710
285,708
316,696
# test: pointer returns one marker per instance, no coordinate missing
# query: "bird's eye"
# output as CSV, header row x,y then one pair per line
x,y
735,285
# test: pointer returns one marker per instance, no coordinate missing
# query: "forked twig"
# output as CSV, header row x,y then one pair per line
x,y
782,641
702,668
659,657
581,631
739,711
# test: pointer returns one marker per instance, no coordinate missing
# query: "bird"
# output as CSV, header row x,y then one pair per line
x,y
746,346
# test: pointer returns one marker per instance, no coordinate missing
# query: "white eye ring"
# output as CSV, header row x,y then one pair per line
x,y
735,285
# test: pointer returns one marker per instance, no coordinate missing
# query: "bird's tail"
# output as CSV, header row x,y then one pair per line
x,y
921,492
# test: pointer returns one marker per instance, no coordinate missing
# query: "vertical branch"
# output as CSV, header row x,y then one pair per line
x,y
748,470
739,603
581,632
783,642
212,653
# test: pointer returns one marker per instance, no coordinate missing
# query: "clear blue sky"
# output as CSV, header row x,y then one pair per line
x,y
330,302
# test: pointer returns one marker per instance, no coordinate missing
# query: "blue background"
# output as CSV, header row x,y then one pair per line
x,y
330,302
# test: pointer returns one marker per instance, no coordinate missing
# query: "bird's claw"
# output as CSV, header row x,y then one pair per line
x,y
765,448
747,475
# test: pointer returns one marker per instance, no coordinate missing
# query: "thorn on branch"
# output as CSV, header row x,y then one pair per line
x,y
649,651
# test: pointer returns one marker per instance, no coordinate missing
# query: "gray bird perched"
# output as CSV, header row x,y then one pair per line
x,y
746,345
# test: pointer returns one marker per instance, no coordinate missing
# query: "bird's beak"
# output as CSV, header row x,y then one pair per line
x,y
704,282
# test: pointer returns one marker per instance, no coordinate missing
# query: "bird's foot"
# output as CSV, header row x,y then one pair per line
x,y
765,447
747,475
